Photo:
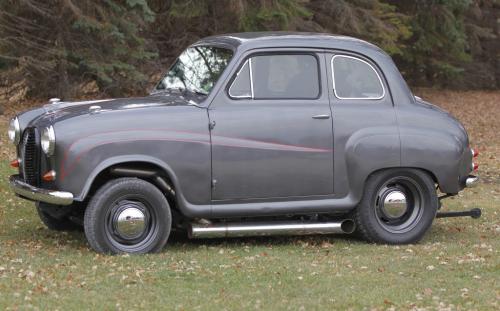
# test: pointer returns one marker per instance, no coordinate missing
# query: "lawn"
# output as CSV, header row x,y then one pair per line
x,y
456,266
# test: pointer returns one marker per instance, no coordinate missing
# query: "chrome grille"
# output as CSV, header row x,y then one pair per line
x,y
30,157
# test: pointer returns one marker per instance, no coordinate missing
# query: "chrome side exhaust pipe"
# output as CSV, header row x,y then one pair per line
x,y
220,230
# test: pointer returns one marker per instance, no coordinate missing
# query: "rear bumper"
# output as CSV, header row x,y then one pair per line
x,y
471,181
30,192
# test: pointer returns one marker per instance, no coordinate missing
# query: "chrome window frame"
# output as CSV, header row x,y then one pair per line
x,y
363,61
249,62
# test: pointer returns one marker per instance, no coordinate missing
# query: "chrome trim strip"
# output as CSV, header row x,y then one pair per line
x,y
471,181
363,61
251,76
38,194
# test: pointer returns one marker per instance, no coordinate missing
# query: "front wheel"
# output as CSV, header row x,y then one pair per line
x,y
128,215
398,206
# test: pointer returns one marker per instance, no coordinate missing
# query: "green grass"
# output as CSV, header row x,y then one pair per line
x,y
456,266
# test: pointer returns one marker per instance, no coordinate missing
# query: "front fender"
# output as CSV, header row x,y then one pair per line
x,y
174,138
183,204
186,163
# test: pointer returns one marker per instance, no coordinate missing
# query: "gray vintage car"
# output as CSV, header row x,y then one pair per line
x,y
247,134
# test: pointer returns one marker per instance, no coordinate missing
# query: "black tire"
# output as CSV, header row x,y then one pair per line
x,y
147,215
381,218
62,223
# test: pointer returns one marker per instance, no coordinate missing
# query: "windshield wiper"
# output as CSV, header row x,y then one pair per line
x,y
181,90
193,91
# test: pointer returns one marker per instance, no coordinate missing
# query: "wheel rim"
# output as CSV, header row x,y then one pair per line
x,y
131,223
399,204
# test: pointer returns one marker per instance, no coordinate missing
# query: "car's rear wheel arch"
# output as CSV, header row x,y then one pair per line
x,y
361,184
426,171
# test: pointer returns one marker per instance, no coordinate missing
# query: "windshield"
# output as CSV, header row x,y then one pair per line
x,y
197,69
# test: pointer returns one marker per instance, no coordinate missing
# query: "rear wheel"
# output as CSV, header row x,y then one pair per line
x,y
398,206
128,215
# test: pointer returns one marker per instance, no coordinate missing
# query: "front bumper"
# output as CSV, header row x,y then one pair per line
x,y
30,192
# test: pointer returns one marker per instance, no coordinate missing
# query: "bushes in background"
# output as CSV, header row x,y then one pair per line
x,y
58,45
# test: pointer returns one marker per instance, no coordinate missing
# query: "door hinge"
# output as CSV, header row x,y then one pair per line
x,y
211,125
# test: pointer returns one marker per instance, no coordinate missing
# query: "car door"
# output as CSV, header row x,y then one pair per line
x,y
364,121
271,129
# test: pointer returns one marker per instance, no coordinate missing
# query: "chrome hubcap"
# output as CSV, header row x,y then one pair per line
x,y
399,204
394,204
130,222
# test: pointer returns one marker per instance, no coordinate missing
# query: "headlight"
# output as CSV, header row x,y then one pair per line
x,y
14,131
48,140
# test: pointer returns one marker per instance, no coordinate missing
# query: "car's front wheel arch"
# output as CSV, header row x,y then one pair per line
x,y
101,174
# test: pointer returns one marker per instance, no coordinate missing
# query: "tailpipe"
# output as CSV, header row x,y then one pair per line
x,y
228,229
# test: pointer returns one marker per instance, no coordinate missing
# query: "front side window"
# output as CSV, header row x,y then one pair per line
x,y
279,76
197,69
354,78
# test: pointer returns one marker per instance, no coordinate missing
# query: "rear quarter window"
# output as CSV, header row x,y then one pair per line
x,y
354,78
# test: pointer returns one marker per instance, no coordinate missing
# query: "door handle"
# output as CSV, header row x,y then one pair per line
x,y
321,116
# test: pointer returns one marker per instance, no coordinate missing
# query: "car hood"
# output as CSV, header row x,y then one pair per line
x,y
59,111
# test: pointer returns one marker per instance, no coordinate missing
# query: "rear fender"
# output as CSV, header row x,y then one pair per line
x,y
437,152
369,150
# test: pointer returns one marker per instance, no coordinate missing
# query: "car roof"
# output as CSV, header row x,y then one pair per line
x,y
249,40
245,42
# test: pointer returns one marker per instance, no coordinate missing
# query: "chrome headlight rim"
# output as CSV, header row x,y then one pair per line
x,y
48,140
14,131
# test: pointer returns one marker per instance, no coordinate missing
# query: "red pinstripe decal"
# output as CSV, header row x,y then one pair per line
x,y
223,141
